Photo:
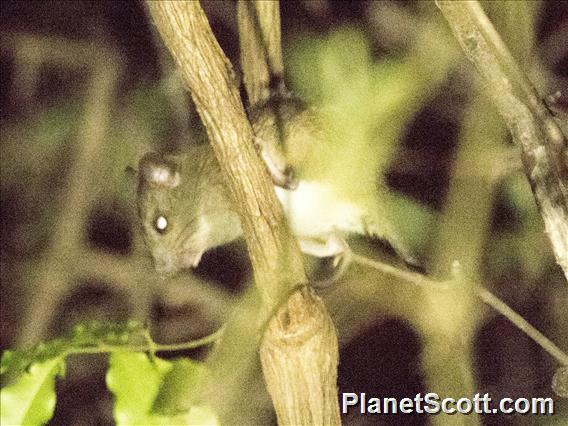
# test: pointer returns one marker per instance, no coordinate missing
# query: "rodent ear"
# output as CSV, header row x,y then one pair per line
x,y
156,170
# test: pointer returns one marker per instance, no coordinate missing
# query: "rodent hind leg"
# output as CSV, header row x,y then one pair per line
x,y
281,172
335,246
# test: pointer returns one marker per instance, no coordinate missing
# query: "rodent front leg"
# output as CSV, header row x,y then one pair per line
x,y
335,246
280,171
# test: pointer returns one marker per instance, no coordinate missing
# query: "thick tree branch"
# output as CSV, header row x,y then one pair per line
x,y
299,351
208,75
543,145
299,356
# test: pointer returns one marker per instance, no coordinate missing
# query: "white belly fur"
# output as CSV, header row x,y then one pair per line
x,y
314,210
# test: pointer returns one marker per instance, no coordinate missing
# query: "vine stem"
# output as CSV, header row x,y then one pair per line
x,y
485,295
151,346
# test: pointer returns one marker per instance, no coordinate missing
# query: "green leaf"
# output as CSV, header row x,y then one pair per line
x,y
15,363
93,335
184,376
28,375
28,378
136,380
31,399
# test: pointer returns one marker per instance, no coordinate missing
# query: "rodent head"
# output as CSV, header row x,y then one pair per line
x,y
177,202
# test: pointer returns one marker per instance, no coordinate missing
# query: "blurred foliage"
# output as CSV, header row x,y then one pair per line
x,y
519,244
144,122
135,381
516,25
33,158
35,154
31,399
367,105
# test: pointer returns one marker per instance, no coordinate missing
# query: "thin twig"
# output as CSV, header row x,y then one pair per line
x,y
261,51
150,346
522,324
485,295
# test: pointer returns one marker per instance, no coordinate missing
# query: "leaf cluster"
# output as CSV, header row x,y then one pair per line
x,y
141,383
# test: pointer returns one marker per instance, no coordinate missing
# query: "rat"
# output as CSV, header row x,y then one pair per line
x,y
186,208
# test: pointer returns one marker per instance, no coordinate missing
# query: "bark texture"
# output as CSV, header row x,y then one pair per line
x,y
299,351
534,130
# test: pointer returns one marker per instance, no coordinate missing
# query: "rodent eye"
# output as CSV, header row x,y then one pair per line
x,y
161,224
